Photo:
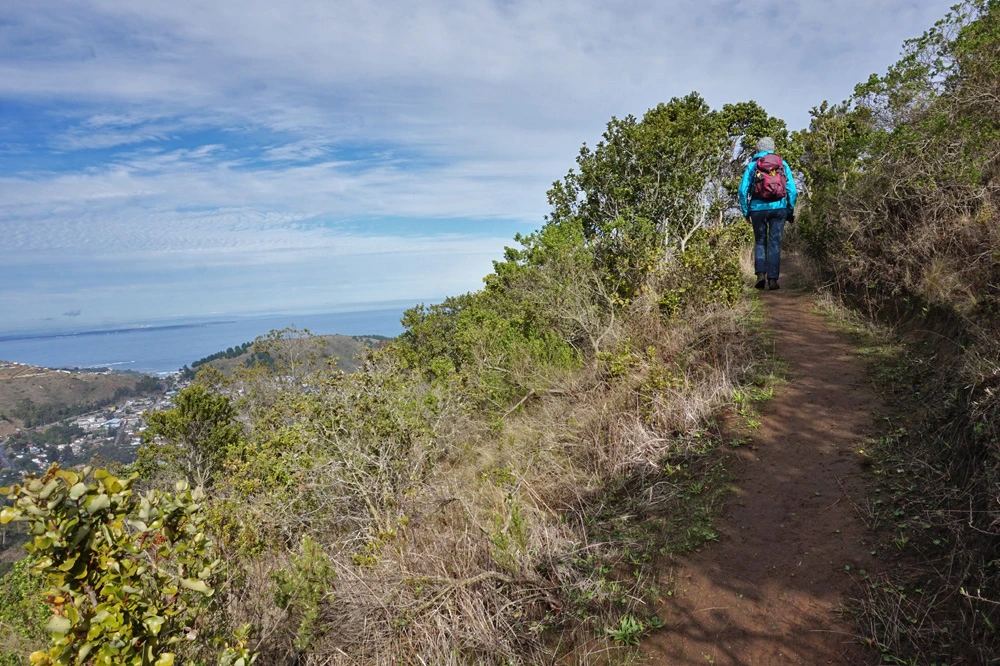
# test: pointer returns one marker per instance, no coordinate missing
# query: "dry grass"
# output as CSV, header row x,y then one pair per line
x,y
747,265
49,387
808,274
12,643
517,541
936,479
870,332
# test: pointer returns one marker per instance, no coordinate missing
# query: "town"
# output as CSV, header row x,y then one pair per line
x,y
106,434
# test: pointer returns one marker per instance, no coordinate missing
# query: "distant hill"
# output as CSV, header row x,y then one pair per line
x,y
31,396
344,348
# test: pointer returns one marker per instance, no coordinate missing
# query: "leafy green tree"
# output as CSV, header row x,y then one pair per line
x,y
648,186
148,384
290,352
634,207
194,437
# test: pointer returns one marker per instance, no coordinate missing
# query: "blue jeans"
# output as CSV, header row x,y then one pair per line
x,y
768,225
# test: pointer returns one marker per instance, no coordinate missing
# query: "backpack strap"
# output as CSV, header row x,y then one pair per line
x,y
753,180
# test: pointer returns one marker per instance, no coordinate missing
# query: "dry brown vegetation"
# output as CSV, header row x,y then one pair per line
x,y
903,218
504,541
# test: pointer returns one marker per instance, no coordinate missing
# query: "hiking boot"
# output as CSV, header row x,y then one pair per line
x,y
760,281
773,285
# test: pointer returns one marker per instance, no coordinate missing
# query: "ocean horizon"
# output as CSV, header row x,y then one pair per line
x,y
168,345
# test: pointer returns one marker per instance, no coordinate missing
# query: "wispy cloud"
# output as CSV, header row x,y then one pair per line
x,y
140,140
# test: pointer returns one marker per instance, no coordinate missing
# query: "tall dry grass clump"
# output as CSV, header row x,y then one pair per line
x,y
408,529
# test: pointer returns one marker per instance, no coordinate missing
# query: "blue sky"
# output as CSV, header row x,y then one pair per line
x,y
168,159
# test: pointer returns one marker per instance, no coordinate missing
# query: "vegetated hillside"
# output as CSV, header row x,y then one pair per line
x,y
31,396
904,217
496,486
344,348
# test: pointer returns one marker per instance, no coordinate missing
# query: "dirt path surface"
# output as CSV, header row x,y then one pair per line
x,y
768,593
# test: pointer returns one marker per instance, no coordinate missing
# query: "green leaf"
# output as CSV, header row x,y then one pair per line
x,y
97,503
77,491
80,535
165,659
154,624
69,477
84,650
9,514
58,624
49,488
196,585
68,563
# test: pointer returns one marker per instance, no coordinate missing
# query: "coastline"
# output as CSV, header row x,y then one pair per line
x,y
166,348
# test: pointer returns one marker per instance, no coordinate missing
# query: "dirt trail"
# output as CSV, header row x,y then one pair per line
x,y
768,593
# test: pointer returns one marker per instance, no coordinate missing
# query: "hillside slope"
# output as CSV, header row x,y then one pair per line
x,y
53,394
344,348
903,221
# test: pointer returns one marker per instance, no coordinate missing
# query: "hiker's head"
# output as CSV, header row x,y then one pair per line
x,y
767,143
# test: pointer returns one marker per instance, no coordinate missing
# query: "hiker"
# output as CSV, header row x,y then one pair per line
x,y
767,198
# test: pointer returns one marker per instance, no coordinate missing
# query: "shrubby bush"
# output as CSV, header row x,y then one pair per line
x,y
902,216
127,577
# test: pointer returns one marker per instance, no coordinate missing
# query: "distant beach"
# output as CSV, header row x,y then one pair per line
x,y
168,346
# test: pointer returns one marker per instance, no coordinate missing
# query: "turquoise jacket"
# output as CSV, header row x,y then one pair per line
x,y
747,206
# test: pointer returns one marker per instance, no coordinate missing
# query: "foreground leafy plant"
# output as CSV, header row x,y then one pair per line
x,y
127,574
628,632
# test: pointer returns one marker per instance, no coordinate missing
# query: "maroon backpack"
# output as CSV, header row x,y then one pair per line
x,y
768,180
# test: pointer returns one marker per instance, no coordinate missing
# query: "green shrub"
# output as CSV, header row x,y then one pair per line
x,y
127,576
707,272
303,589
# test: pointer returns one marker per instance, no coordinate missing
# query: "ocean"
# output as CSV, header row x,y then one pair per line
x,y
168,346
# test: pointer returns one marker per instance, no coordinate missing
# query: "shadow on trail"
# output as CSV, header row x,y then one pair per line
x,y
754,639
790,542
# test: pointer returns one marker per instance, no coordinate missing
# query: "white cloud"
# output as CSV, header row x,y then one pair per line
x,y
242,131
